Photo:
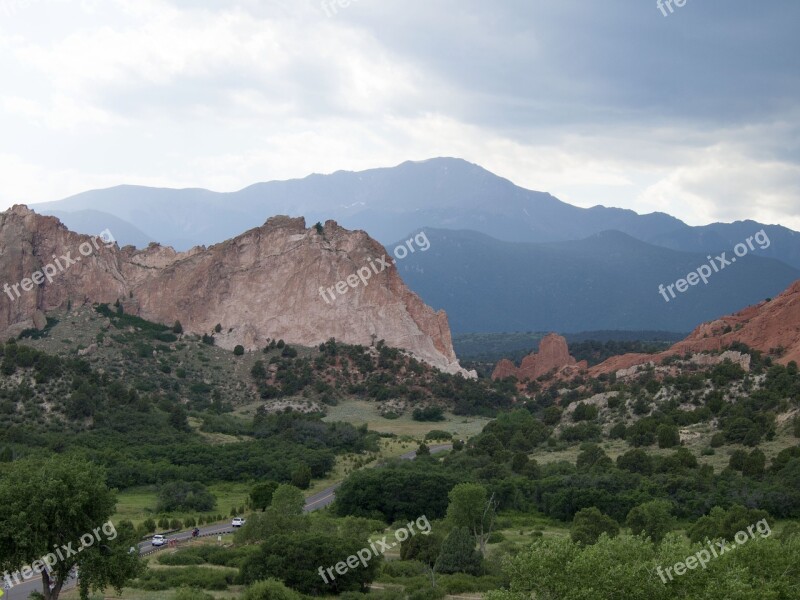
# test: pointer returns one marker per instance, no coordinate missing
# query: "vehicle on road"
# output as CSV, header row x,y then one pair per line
x,y
238,522
158,540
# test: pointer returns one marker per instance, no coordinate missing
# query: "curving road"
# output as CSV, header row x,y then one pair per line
x,y
313,502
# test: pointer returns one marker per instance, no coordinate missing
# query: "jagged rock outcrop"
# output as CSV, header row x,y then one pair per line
x,y
553,356
262,284
768,326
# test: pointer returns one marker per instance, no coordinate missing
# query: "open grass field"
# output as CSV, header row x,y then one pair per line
x,y
359,412
138,504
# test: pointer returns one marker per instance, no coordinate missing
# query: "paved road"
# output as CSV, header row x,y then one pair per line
x,y
313,502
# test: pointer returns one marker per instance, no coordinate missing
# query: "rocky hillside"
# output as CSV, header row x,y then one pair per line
x,y
265,284
772,327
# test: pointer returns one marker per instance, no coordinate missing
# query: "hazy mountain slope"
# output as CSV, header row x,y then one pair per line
x,y
445,193
94,221
607,281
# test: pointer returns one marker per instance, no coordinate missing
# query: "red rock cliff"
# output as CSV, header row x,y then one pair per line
x,y
553,355
262,284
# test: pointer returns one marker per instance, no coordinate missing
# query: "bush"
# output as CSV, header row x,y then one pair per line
x,y
589,524
195,577
187,593
184,496
582,432
270,589
652,519
149,525
238,350
668,436
737,460
584,412
438,434
429,413
458,553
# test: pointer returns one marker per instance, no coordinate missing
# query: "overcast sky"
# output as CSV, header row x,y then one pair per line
x,y
597,102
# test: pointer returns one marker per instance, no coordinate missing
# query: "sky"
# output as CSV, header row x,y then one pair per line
x,y
696,113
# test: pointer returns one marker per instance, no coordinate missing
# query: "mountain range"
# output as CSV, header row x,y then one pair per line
x,y
502,258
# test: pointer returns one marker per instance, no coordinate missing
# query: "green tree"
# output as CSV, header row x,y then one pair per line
x,y
299,559
49,503
261,494
301,477
471,507
183,496
737,460
589,524
754,464
652,519
288,500
238,350
668,436
584,412
177,327
592,455
636,460
427,550
458,553
179,418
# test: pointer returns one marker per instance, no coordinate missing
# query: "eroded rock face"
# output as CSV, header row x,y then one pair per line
x,y
765,326
553,356
262,284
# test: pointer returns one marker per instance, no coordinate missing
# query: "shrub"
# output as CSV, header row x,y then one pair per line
x,y
187,593
185,496
584,412
717,440
652,519
238,350
458,553
668,436
270,589
754,464
636,460
149,525
589,524
737,460
196,577
429,413
438,434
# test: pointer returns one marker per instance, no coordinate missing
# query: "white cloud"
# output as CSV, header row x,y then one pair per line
x,y
224,94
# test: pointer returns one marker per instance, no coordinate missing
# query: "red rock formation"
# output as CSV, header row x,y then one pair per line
x,y
553,356
262,284
765,326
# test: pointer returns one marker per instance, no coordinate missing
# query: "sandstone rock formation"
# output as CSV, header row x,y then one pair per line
x,y
553,356
768,326
262,284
